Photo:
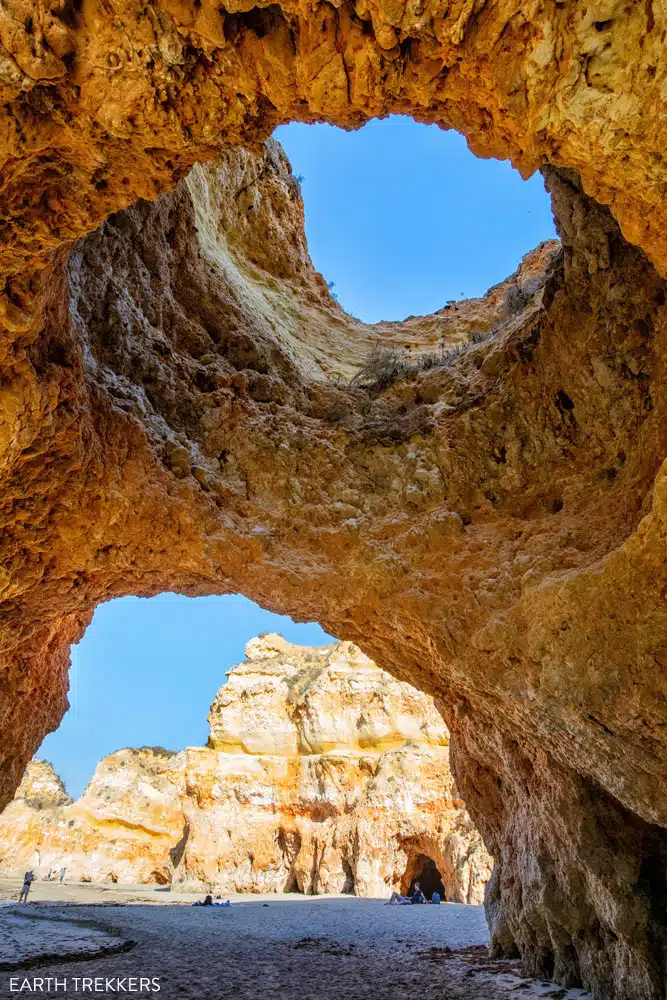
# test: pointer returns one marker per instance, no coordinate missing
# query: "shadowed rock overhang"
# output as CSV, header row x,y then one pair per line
x,y
179,409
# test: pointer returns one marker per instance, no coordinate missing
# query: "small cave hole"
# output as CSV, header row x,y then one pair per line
x,y
563,402
292,884
349,885
57,355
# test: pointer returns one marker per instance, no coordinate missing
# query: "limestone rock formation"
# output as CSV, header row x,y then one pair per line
x,y
180,414
177,413
41,788
120,830
339,781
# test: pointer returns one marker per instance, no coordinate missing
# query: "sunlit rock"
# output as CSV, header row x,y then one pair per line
x,y
323,774
477,499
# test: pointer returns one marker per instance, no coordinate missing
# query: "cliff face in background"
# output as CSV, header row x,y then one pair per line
x,y
322,774
121,829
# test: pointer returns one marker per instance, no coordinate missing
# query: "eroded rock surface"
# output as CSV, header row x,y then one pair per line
x,y
322,774
107,103
178,411
41,788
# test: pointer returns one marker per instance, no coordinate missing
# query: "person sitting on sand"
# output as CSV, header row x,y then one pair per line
x,y
28,879
208,901
398,899
417,894
416,897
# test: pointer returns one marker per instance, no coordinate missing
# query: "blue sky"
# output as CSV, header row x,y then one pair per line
x,y
402,218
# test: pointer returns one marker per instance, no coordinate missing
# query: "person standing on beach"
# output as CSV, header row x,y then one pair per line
x,y
62,875
27,882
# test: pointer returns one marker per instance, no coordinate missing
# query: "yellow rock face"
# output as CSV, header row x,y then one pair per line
x,y
120,830
323,774
288,700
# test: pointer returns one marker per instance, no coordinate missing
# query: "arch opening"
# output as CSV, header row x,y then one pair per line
x,y
349,886
303,741
292,884
418,222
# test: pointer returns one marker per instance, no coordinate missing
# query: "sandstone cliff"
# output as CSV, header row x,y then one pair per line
x,y
322,774
41,788
177,413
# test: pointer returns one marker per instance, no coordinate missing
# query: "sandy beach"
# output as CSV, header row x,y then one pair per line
x,y
288,946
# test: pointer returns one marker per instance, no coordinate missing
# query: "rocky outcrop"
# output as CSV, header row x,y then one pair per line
x,y
179,409
322,774
41,788
120,830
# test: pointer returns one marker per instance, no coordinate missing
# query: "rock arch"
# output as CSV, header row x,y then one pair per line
x,y
176,412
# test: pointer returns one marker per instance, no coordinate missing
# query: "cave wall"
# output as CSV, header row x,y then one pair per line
x,y
578,885
492,527
176,409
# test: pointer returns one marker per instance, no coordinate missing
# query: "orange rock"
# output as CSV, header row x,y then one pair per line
x,y
104,106
323,774
183,407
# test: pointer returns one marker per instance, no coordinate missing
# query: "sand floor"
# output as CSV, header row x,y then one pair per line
x,y
27,939
292,947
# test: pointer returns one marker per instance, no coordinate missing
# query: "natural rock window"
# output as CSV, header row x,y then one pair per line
x,y
402,218
317,767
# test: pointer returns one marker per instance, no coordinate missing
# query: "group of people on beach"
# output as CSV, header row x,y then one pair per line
x,y
29,878
416,897
56,874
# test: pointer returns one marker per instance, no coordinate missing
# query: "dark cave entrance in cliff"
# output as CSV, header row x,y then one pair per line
x,y
292,885
349,885
422,869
